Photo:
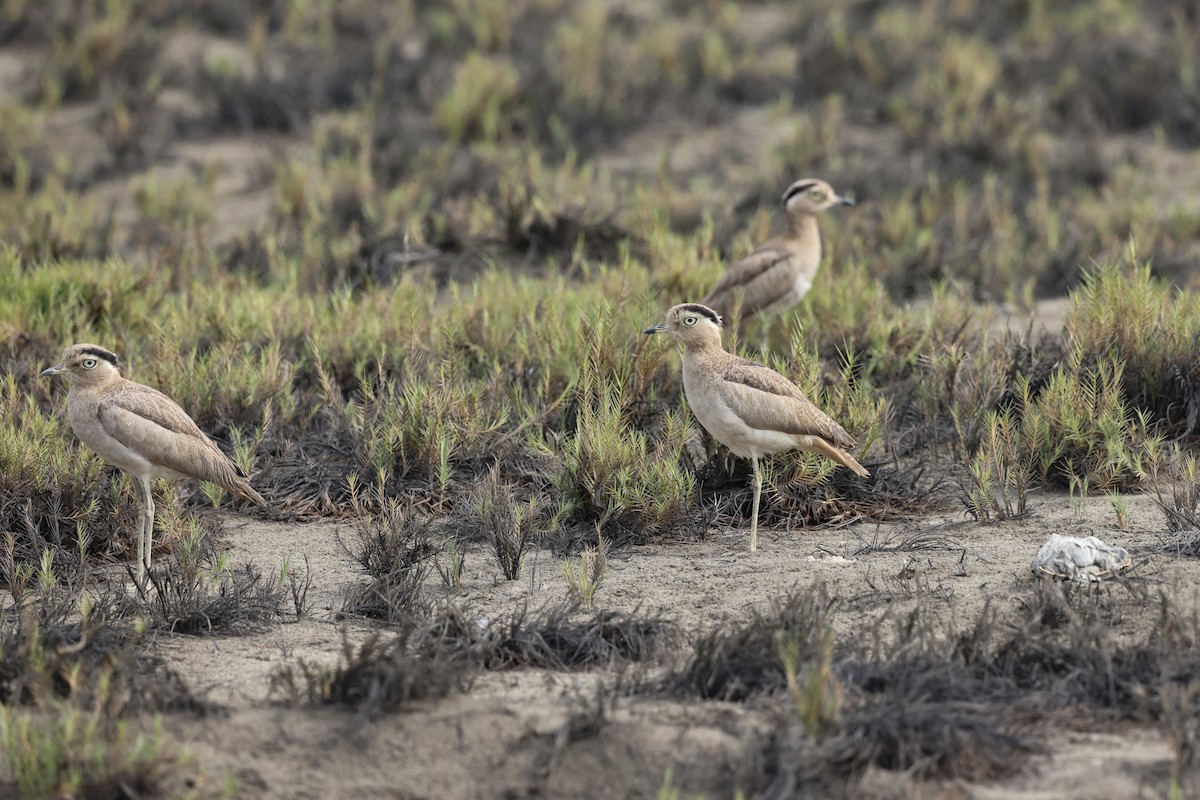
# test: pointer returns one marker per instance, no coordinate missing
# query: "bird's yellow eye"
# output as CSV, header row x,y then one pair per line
x,y
89,363
816,194
689,321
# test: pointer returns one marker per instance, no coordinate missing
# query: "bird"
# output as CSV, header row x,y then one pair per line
x,y
142,432
746,406
777,275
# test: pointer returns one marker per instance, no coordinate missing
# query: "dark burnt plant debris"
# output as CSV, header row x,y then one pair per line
x,y
911,695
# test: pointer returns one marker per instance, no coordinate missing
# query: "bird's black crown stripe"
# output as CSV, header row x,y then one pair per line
x,y
100,352
797,188
703,311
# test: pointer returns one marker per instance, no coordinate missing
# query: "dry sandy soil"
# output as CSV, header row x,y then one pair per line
x,y
508,737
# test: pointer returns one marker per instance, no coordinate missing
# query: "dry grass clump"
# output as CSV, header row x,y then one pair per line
x,y
60,645
198,593
74,686
1181,724
889,704
396,549
891,493
1062,653
499,518
434,659
1175,480
64,637
738,662
553,637
585,575
424,425
226,600
932,739
915,697
376,678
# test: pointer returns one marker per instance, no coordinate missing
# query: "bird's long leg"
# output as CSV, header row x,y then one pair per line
x,y
141,529
754,512
147,536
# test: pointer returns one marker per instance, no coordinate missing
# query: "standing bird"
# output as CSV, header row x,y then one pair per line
x,y
777,275
141,431
749,408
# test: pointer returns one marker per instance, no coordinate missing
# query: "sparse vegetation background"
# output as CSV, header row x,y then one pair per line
x,y
396,258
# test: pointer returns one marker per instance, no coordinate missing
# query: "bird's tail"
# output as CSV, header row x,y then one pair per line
x,y
242,488
237,481
849,461
839,455
212,465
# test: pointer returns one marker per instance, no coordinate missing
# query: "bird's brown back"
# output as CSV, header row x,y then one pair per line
x,y
147,422
760,396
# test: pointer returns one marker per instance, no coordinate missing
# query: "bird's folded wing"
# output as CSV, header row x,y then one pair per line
x,y
766,400
153,425
759,268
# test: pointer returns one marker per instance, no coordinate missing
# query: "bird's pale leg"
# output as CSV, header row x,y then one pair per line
x,y
141,530
147,536
754,513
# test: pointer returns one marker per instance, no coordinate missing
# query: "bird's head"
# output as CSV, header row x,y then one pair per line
x,y
86,364
691,324
812,196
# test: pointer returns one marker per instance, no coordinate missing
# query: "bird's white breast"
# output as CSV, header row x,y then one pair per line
x,y
792,296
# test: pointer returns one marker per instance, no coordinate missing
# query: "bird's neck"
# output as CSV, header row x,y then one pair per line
x,y
703,347
95,385
803,228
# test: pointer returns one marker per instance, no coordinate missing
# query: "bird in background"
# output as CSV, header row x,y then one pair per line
x,y
746,406
141,431
778,274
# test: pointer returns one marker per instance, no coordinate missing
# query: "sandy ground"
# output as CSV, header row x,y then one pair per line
x,y
508,737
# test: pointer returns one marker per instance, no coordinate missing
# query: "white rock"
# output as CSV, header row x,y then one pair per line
x,y
1083,559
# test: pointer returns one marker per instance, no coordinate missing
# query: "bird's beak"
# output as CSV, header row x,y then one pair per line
x,y
662,326
50,371
846,201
